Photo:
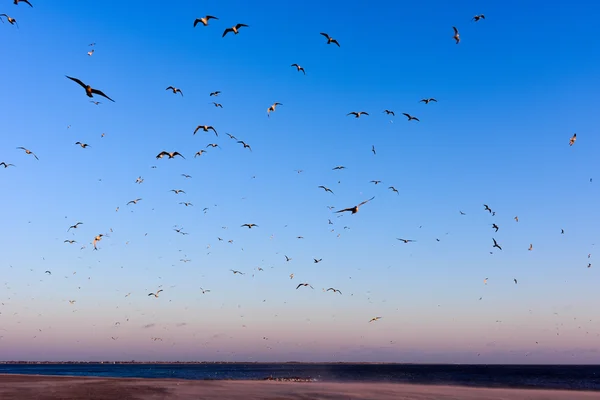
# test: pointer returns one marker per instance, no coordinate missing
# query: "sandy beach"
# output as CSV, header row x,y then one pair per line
x,y
23,387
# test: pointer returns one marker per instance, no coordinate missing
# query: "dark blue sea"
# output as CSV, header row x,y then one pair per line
x,y
509,376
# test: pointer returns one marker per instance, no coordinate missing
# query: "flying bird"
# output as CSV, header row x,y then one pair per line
x,y
170,155
406,240
89,53
478,17
375,182
456,35
246,145
354,209
175,90
373,149
357,114
199,153
186,204
299,68
573,139
272,108
234,29
231,136
249,226
426,101
388,112
186,176
516,219
326,189
74,226
317,261
375,319
83,145
496,244
330,39
204,20
410,117
304,284
530,247
205,128
10,20
155,294
16,2
494,226
219,105
88,89
204,290
339,167
29,152
212,145
5,165
218,92
515,279
96,102
236,272
177,191
48,272
133,201
70,241
487,208
333,290
394,189
287,259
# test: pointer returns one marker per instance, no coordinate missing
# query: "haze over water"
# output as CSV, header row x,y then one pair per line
x,y
509,96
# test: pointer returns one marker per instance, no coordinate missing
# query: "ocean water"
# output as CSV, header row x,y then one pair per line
x,y
584,377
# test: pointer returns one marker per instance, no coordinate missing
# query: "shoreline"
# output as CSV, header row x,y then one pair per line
x,y
24,386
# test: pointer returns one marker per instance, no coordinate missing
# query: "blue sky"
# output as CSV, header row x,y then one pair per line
x,y
510,96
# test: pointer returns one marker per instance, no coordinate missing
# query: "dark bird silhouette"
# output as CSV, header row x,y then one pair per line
x,y
74,226
204,20
573,139
218,92
456,35
205,128
394,189
357,114
212,145
462,213
5,165
170,155
231,136
249,225
317,261
299,68
88,89
155,294
304,284
339,167
426,101
494,226
487,208
29,152
177,191
406,240
236,272
186,176
373,149
219,105
478,17
287,259
83,145
246,145
70,241
515,281
333,290
330,39
199,153
410,117
96,102
133,201
10,20
376,182
562,231
234,29
326,189
48,272
175,90
375,319
272,108
16,2
186,204
354,209
496,244
388,112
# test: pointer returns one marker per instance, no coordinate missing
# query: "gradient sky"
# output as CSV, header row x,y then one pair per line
x,y
510,96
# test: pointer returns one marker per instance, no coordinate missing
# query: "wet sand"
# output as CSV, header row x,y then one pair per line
x,y
36,387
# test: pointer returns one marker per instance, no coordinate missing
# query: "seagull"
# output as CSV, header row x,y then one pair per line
x,y
394,189
516,219
406,240
373,149
10,20
304,284
375,182
530,247
175,90
326,189
74,226
199,153
83,145
234,29
16,2
487,208
494,226
96,240
133,201
317,261
249,226
485,281
388,112
28,152
204,20
410,117
462,213
496,244
272,108
478,17
354,209
89,53
186,176
339,167
456,35
562,231
426,101
212,145
357,114
217,104
96,102
204,290
177,191
71,301
171,155
186,204
287,258
236,272
245,144
155,294
231,136
5,165
70,241
334,290
88,89
291,276
330,39
218,92
299,68
573,139
515,280
205,128
374,319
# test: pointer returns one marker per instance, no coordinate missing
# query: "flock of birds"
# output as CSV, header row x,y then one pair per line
x,y
91,92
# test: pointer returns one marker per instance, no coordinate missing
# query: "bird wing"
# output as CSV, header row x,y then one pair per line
x,y
455,30
407,115
326,35
336,42
366,201
83,85
196,21
298,286
210,17
196,130
227,31
99,92
345,209
238,26
170,88
178,154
